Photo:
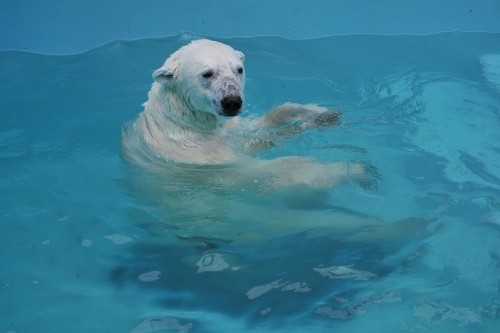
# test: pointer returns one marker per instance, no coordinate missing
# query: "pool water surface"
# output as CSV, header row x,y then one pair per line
x,y
89,244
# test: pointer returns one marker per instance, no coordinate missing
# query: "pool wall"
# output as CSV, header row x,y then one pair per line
x,y
72,26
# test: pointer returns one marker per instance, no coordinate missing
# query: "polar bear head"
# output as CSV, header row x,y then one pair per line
x,y
206,76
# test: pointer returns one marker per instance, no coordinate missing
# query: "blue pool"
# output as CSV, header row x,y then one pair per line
x,y
88,244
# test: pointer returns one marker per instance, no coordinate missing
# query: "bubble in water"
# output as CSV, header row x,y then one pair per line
x,y
265,311
211,263
162,324
118,239
298,287
261,290
150,276
344,272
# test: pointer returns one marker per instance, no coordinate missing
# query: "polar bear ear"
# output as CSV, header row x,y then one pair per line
x,y
163,75
241,55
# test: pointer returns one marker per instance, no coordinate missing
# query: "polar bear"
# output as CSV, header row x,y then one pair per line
x,y
196,166
191,118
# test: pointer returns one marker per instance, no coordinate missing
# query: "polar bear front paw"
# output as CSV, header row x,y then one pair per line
x,y
363,174
311,115
327,118
293,118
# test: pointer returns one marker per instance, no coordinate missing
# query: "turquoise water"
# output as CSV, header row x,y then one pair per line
x,y
91,245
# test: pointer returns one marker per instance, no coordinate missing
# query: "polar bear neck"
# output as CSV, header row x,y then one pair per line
x,y
170,109
172,134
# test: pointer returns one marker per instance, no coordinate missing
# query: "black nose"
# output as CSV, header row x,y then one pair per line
x,y
231,105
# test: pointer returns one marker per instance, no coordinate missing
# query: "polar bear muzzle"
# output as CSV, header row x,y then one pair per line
x,y
231,105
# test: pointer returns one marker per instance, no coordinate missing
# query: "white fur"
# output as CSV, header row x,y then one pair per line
x,y
183,122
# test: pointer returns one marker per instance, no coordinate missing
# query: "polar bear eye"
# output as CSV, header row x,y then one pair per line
x,y
240,70
208,74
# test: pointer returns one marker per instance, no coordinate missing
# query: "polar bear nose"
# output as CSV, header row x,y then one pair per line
x,y
231,105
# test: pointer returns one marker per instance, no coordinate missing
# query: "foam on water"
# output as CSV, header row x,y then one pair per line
x,y
90,245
